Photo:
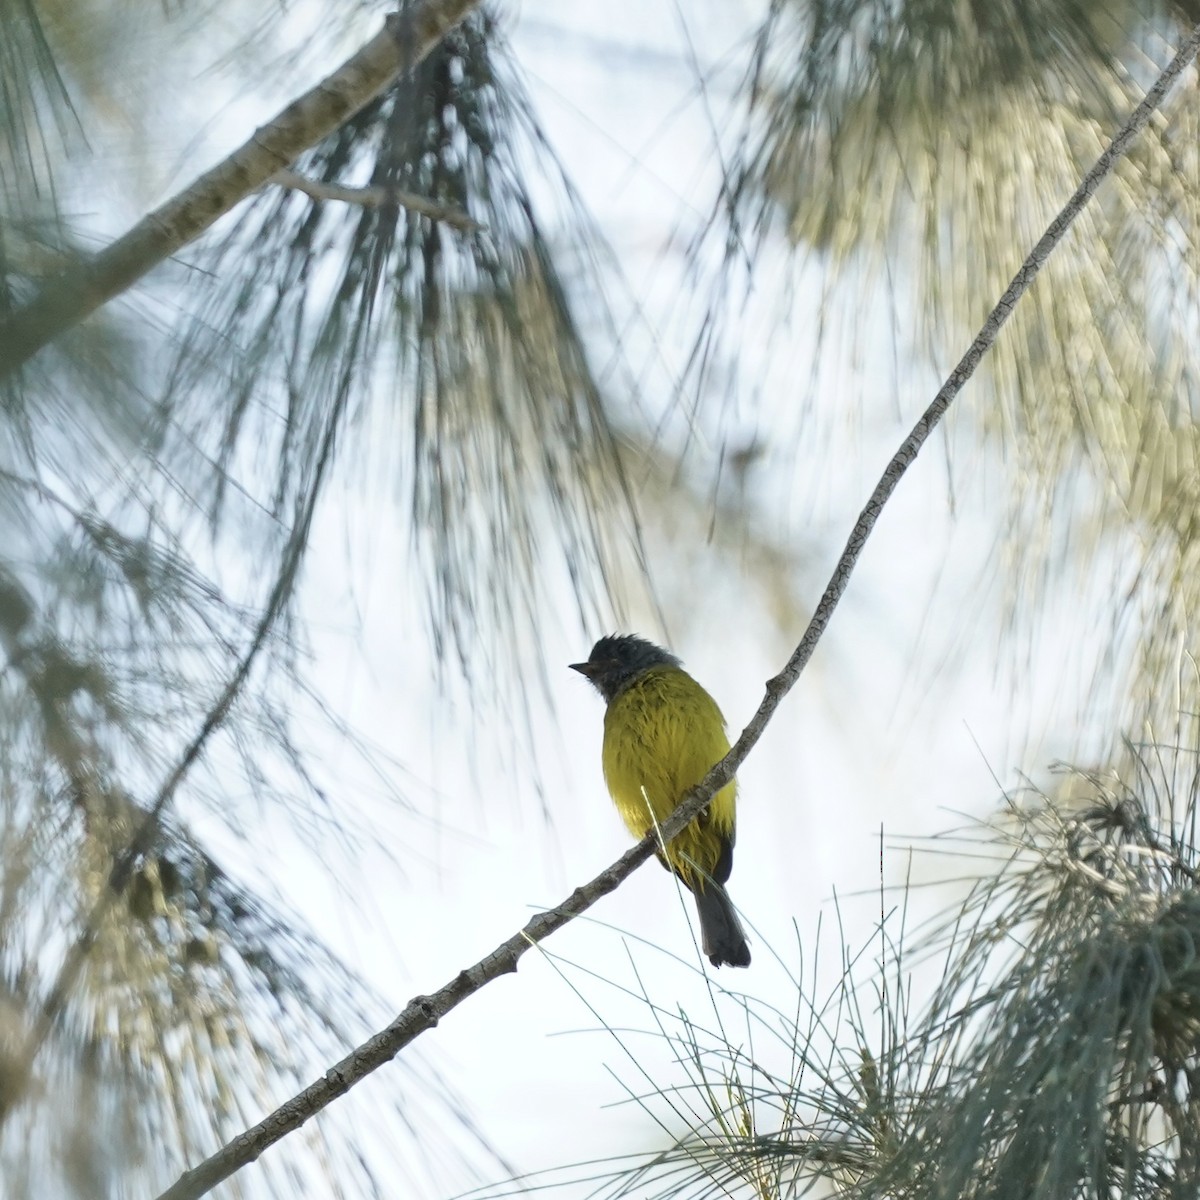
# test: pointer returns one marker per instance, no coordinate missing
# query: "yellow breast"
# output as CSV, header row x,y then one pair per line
x,y
661,736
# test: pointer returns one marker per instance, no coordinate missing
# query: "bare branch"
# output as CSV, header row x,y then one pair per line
x,y
376,197
65,301
424,1012
420,1014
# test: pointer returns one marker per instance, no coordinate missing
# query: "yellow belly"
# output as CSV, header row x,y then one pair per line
x,y
661,736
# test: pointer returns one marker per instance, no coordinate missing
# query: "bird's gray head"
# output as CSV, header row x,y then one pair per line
x,y
617,660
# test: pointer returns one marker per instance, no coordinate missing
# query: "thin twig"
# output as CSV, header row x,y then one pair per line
x,y
424,1012
77,293
376,197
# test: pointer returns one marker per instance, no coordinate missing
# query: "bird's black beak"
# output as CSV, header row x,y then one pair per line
x,y
584,668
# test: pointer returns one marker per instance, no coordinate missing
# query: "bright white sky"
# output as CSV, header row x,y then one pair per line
x,y
902,723
880,733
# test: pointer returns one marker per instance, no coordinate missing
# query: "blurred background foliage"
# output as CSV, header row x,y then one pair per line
x,y
162,466
918,150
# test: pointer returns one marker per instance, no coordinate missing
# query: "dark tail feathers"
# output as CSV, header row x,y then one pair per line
x,y
721,932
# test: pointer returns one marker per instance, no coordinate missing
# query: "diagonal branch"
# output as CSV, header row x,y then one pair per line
x,y
405,40
424,1012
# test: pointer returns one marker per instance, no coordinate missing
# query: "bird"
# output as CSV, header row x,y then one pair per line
x,y
662,734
